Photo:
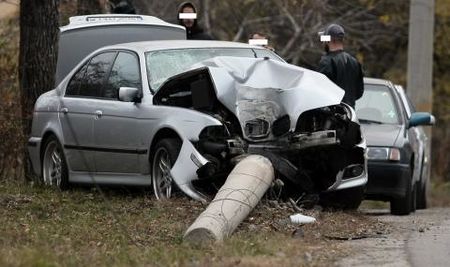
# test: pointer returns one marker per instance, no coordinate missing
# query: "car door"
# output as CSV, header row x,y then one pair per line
x,y
413,135
77,111
116,132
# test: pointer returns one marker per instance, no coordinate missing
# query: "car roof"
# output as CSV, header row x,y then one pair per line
x,y
377,81
101,20
146,46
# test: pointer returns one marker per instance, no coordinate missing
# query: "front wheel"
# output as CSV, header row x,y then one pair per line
x,y
54,165
402,206
165,155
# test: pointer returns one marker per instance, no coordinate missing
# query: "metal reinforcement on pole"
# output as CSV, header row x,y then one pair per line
x,y
243,189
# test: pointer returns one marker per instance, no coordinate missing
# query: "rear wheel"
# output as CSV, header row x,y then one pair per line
x,y
54,165
422,189
166,153
414,197
422,196
402,206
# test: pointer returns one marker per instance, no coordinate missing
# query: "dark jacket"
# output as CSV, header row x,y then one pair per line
x,y
195,32
345,71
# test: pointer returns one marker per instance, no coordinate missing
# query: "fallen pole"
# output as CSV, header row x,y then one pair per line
x,y
242,191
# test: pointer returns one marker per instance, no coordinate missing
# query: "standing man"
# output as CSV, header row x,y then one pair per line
x,y
187,17
339,66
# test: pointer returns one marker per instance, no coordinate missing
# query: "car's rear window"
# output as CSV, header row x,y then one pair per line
x,y
377,105
164,64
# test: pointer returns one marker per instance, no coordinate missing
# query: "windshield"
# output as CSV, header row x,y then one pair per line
x,y
377,105
164,64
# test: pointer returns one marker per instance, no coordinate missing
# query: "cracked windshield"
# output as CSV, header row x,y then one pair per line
x,y
377,106
167,63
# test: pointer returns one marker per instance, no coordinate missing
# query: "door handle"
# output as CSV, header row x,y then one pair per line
x,y
98,113
65,110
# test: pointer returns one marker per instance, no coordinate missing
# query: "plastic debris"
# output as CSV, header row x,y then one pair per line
x,y
301,219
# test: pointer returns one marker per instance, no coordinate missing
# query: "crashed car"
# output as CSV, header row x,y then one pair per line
x,y
182,113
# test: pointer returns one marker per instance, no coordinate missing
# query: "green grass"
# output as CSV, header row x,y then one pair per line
x,y
79,227
43,227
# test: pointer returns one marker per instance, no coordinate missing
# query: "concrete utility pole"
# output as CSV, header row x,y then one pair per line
x,y
420,54
420,59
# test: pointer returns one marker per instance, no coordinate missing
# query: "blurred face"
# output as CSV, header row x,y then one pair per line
x,y
257,36
188,23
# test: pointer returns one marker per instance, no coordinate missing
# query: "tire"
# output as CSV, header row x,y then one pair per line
x,y
414,197
402,206
422,201
54,165
346,199
421,198
165,155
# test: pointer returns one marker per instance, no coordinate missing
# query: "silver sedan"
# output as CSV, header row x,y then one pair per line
x,y
167,113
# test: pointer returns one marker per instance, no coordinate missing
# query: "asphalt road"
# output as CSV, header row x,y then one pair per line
x,y
420,239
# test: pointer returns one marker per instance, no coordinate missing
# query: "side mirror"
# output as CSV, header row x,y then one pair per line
x,y
421,118
129,94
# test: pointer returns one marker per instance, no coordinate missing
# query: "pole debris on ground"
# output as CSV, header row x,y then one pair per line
x,y
242,191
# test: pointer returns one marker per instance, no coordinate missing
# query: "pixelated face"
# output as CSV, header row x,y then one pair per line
x,y
188,23
258,36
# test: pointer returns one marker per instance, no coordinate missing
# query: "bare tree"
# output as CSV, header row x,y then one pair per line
x,y
37,60
85,7
166,10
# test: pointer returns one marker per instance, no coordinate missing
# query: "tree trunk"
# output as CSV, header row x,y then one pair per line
x,y
86,7
39,32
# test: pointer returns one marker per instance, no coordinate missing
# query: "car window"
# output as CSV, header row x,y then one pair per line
x,y
96,73
377,105
164,64
124,73
73,88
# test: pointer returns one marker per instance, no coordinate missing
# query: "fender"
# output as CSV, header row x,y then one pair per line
x,y
187,123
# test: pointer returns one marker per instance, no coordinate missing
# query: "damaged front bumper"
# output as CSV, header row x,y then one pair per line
x,y
184,171
190,163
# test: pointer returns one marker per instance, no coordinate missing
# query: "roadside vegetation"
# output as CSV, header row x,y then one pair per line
x,y
128,227
440,194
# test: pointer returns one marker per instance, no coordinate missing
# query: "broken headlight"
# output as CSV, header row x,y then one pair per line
x,y
281,125
257,128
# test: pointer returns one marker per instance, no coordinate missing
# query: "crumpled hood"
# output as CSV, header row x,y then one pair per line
x,y
264,88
